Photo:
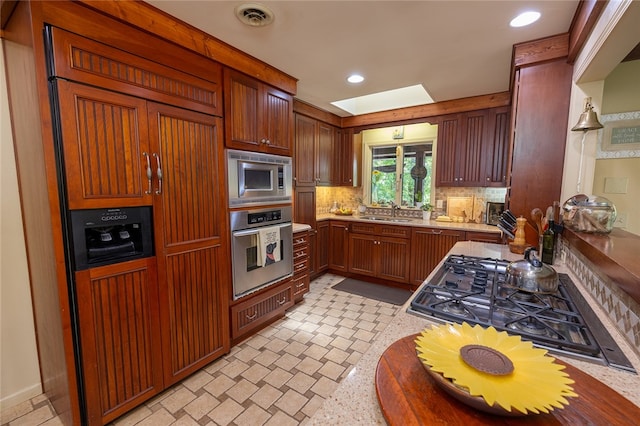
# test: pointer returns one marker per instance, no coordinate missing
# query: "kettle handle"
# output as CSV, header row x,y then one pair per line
x,y
533,261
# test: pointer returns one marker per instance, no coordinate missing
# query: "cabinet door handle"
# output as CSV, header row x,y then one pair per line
x,y
149,172
433,231
158,173
268,142
282,302
252,317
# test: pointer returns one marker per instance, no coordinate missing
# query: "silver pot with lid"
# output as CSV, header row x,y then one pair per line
x,y
531,275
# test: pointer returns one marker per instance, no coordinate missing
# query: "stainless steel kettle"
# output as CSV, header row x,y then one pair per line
x,y
531,275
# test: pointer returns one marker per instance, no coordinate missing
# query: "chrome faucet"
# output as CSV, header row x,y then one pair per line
x,y
394,207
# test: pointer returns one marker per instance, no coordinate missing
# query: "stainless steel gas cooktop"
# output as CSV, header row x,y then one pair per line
x,y
473,290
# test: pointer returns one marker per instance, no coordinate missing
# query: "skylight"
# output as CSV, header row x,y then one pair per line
x,y
384,101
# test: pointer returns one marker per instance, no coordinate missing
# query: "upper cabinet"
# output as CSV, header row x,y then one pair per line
x,y
258,117
325,155
349,158
314,160
106,147
496,147
542,90
472,148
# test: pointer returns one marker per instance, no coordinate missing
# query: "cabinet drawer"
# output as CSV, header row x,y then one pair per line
x,y
300,286
300,253
395,231
381,230
301,266
484,237
259,310
363,228
300,239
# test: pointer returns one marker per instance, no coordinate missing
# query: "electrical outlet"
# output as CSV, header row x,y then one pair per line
x,y
439,204
621,220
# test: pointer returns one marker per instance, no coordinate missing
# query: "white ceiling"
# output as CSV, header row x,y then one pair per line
x,y
455,49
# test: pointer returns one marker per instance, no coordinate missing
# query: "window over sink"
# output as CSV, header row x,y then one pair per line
x,y
399,170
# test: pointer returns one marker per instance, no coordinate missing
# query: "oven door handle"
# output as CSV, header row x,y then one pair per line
x,y
255,231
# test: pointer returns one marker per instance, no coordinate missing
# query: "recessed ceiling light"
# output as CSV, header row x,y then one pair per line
x,y
525,19
355,78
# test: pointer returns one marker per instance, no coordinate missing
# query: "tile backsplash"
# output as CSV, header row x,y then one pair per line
x,y
346,196
619,306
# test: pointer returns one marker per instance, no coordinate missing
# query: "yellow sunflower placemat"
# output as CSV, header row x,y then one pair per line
x,y
504,370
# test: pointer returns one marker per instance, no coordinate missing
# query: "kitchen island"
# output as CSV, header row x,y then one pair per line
x,y
355,401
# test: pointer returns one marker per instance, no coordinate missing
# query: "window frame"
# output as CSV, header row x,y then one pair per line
x,y
367,156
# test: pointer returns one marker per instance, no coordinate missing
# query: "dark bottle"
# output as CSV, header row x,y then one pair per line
x,y
548,244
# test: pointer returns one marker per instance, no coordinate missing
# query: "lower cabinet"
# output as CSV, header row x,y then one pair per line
x,y
260,310
322,246
300,280
484,237
379,251
338,251
428,247
120,328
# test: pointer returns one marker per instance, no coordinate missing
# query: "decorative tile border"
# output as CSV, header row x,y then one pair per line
x,y
618,305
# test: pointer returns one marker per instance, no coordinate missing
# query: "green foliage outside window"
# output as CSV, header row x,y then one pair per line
x,y
383,178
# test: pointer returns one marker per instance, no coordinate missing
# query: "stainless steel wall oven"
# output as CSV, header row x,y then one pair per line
x,y
261,247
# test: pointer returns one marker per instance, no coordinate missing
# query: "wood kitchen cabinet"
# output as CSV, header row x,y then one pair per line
x,y
260,310
322,247
472,148
428,247
326,155
495,149
121,150
380,251
258,117
484,237
315,159
190,238
349,158
540,109
338,247
304,163
106,147
459,159
300,279
119,326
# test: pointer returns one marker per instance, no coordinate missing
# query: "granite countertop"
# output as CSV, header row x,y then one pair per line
x,y
480,227
355,401
299,227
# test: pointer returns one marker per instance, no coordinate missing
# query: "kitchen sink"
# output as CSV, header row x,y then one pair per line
x,y
386,219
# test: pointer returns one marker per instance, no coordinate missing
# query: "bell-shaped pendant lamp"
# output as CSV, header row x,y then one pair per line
x,y
588,121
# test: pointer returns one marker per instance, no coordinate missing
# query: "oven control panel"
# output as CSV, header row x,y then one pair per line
x,y
264,216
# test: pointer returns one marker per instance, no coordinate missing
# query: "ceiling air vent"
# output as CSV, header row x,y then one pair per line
x,y
254,14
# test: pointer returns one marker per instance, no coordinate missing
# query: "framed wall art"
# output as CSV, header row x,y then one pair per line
x,y
620,136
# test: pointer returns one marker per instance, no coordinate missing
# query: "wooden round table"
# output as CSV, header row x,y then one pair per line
x,y
409,396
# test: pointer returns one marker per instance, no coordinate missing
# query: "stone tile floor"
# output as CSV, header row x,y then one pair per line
x,y
280,376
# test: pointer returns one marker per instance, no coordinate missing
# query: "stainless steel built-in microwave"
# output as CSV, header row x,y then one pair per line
x,y
258,179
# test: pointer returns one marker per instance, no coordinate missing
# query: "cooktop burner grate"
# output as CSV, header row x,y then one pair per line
x,y
474,290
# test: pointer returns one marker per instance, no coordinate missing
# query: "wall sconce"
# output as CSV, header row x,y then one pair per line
x,y
588,121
